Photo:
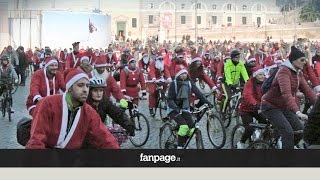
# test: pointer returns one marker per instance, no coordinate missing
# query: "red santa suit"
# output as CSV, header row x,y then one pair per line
x,y
309,75
73,60
111,57
112,86
157,70
62,61
41,86
50,129
144,62
177,62
130,79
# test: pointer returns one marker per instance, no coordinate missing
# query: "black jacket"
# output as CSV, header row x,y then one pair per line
x,y
312,127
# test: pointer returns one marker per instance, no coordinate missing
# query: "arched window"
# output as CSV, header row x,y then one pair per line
x,y
244,7
229,7
182,6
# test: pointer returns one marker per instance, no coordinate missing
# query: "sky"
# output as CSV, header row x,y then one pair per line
x,y
122,5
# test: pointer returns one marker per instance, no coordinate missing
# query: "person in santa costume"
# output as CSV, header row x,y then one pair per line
x,y
124,58
85,65
158,70
62,59
177,61
112,87
73,59
144,62
130,78
179,99
64,121
45,82
111,57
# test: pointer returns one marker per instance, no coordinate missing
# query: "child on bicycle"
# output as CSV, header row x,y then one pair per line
x,y
179,99
7,72
250,103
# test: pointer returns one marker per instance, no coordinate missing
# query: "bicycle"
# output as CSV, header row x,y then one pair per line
x,y
232,110
161,101
142,127
6,102
168,132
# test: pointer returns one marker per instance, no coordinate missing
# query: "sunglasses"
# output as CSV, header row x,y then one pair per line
x,y
161,59
303,60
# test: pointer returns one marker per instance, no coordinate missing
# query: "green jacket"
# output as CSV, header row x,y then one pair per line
x,y
232,72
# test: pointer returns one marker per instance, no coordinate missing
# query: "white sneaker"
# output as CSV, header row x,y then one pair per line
x,y
179,147
241,145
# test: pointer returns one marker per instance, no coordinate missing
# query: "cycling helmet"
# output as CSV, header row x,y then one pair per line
x,y
97,83
4,57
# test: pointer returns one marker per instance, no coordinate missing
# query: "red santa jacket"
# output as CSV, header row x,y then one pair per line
x,y
73,61
155,72
111,59
220,69
48,129
41,86
203,77
309,75
174,63
251,97
143,66
129,81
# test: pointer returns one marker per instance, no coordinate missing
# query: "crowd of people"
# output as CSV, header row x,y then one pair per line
x,y
72,91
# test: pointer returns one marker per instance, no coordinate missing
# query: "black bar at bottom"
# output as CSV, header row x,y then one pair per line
x,y
158,158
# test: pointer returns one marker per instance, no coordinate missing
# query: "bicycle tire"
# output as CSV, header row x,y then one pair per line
x,y
162,110
135,139
170,141
227,117
212,123
199,141
236,135
260,144
14,89
3,107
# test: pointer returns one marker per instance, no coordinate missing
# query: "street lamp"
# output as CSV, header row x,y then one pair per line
x,y
195,22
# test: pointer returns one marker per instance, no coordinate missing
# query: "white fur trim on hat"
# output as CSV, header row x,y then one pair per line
x,y
85,58
101,65
259,71
75,78
132,59
52,61
159,57
251,60
195,59
181,72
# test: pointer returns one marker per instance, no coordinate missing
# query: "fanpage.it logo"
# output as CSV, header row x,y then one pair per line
x,y
158,158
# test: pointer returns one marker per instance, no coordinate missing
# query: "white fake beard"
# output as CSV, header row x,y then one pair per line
x,y
145,60
160,65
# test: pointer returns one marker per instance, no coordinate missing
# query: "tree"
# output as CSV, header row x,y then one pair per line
x,y
310,12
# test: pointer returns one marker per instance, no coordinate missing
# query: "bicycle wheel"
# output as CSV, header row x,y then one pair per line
x,y
216,131
167,137
227,116
3,107
9,113
199,141
162,105
142,130
14,88
260,144
236,135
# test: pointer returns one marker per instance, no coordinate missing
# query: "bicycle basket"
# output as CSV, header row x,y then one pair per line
x,y
23,130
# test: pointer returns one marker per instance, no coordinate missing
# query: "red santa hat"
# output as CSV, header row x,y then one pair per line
x,y
180,54
144,54
251,59
257,70
180,70
159,55
131,58
73,76
269,63
101,62
50,60
84,58
195,58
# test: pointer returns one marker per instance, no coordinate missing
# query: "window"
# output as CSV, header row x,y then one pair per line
x,y
229,19
229,6
198,19
214,19
214,6
258,7
150,19
244,7
183,5
198,5
244,20
183,19
134,22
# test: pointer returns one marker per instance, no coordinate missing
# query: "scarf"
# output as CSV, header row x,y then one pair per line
x,y
183,94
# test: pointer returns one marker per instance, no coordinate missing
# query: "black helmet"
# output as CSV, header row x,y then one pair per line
x,y
4,57
234,53
97,83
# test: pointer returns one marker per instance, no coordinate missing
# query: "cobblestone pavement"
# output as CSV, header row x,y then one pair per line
x,y
8,129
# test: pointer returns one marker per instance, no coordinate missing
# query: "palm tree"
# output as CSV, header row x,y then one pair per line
x,y
309,13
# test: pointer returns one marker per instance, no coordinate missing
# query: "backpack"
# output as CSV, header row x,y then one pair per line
x,y
266,85
23,130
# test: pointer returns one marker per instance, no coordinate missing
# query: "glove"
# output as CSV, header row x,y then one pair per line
x,y
16,81
123,104
169,80
144,93
127,97
301,115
